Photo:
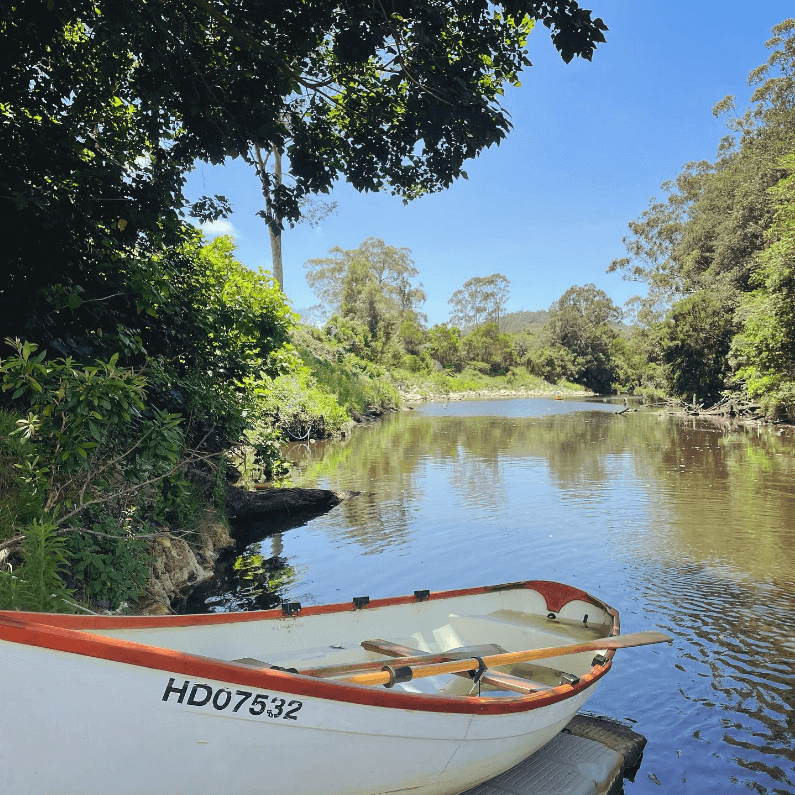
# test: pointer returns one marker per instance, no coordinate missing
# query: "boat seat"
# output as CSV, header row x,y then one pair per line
x,y
252,662
496,679
514,635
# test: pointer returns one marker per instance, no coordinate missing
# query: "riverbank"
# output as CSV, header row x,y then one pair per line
x,y
427,396
180,563
436,397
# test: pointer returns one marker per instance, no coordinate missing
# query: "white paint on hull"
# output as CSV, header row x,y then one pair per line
x,y
74,724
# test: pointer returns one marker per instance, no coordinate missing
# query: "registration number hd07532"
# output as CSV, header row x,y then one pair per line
x,y
200,694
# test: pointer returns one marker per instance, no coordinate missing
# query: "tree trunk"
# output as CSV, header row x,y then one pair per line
x,y
264,502
272,219
274,227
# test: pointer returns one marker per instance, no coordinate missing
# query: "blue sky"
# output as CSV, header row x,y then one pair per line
x,y
591,144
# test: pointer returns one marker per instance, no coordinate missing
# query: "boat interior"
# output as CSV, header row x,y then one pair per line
x,y
465,636
339,641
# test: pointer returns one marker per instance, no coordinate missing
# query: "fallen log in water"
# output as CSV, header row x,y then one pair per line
x,y
243,504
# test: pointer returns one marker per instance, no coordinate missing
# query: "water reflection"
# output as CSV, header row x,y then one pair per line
x,y
680,523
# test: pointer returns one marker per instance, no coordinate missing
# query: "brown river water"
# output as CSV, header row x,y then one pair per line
x,y
683,525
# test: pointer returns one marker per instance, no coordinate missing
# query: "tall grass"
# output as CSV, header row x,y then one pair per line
x,y
359,392
361,387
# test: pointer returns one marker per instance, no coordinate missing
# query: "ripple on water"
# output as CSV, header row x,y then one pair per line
x,y
734,668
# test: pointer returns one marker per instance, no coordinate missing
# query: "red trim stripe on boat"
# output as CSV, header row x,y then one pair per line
x,y
62,633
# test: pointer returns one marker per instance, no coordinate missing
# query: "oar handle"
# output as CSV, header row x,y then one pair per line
x,y
512,658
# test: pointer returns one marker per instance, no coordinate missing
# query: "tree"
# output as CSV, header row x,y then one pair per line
x,y
338,278
694,342
444,345
312,211
371,285
485,344
764,349
580,321
481,299
706,251
653,246
712,224
107,105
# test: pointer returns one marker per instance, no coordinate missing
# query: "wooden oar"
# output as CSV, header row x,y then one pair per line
x,y
509,658
464,652
493,678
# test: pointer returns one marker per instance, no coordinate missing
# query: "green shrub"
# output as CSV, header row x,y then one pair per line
x,y
295,405
359,386
20,502
111,562
101,465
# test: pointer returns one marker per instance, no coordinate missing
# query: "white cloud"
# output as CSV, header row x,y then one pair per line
x,y
223,226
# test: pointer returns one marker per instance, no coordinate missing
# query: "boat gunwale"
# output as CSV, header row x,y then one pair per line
x,y
60,632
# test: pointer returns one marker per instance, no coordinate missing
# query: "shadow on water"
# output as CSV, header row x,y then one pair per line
x,y
251,576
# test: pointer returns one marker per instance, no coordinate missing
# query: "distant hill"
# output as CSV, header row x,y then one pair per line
x,y
513,322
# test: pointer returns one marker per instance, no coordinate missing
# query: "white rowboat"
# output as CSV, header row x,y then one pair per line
x,y
188,705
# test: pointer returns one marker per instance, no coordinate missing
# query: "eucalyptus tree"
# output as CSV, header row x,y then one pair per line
x,y
481,299
712,223
336,278
372,285
703,251
312,210
763,351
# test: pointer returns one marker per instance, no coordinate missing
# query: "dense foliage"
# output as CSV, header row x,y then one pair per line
x,y
105,105
373,301
96,463
371,297
137,351
481,299
717,257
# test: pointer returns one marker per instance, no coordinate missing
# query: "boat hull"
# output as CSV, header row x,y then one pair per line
x,y
86,713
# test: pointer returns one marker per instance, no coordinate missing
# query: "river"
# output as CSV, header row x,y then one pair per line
x,y
682,524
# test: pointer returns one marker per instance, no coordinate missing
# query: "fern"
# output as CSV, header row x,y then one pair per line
x,y
38,584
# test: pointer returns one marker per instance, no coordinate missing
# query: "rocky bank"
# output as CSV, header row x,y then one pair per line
x,y
181,562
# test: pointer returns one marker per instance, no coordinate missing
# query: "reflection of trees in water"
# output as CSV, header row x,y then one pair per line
x,y
473,452
731,496
478,482
705,478
384,454
375,522
715,493
248,581
573,448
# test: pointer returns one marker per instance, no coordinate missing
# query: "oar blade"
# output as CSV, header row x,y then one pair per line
x,y
635,639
